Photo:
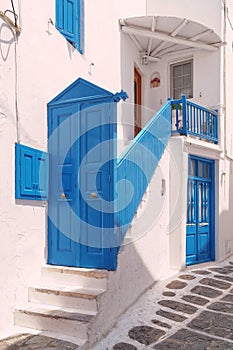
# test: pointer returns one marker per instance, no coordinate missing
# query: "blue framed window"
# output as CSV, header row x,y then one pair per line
x,y
70,21
31,173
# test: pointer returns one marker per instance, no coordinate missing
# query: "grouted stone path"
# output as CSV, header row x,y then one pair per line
x,y
35,342
193,311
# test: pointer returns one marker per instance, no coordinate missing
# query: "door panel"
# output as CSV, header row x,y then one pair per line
x,y
200,211
63,235
96,174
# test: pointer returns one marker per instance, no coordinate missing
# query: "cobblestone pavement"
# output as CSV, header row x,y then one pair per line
x,y
193,311
35,342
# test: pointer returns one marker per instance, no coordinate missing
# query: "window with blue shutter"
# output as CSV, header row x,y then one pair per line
x,y
70,21
31,173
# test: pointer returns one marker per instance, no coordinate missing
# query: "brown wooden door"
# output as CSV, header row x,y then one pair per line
x,y
137,101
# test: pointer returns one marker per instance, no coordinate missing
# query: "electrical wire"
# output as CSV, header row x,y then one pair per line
x,y
13,8
16,95
16,79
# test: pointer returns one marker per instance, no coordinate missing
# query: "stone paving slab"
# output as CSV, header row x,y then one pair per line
x,y
222,270
124,346
201,272
169,294
214,323
215,283
161,324
193,299
35,342
187,277
225,278
222,307
177,306
145,334
171,316
206,291
176,285
187,340
228,298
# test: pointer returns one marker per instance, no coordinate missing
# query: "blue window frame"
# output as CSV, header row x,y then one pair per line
x,y
70,21
31,173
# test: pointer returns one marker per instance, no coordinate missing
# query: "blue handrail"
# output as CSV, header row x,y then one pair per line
x,y
137,164
192,119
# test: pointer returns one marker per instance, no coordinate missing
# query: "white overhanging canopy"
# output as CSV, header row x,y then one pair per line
x,y
156,37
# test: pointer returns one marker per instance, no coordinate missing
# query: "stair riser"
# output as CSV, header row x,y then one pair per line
x,y
72,279
63,301
70,328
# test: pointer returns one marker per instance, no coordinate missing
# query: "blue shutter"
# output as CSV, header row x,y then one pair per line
x,y
25,185
60,15
66,18
70,21
31,177
42,175
80,39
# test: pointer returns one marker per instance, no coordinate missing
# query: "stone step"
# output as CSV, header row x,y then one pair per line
x,y
83,299
91,278
69,322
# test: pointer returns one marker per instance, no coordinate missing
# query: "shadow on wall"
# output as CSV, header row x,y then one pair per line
x,y
7,38
225,247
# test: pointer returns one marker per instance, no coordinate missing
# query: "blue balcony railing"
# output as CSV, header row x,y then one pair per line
x,y
188,118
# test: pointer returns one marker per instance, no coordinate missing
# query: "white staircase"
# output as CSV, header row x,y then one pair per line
x,y
65,303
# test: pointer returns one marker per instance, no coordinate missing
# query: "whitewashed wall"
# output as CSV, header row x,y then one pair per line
x,y
35,69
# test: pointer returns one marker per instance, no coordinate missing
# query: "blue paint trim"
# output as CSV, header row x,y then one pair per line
x,y
31,173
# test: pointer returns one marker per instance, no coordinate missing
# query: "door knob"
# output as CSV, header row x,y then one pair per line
x,y
63,196
93,195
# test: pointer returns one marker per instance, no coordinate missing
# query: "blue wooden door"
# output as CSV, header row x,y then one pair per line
x,y
96,170
81,215
200,211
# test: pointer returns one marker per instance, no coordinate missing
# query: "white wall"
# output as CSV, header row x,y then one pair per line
x,y
41,64
178,164
33,71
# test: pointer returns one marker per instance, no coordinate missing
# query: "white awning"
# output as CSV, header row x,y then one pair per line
x,y
156,37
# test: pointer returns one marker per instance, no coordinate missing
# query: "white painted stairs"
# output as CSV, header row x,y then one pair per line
x,y
65,304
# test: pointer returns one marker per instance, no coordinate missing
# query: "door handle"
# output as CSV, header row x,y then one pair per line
x,y
93,195
63,196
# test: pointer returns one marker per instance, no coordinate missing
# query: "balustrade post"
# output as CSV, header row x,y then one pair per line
x,y
184,114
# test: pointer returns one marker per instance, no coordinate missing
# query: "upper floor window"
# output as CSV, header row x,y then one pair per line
x,y
70,21
182,79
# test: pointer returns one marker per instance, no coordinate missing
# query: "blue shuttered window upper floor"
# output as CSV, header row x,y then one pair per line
x,y
31,173
70,21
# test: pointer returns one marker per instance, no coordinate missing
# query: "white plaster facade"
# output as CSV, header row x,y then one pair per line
x,y
39,65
